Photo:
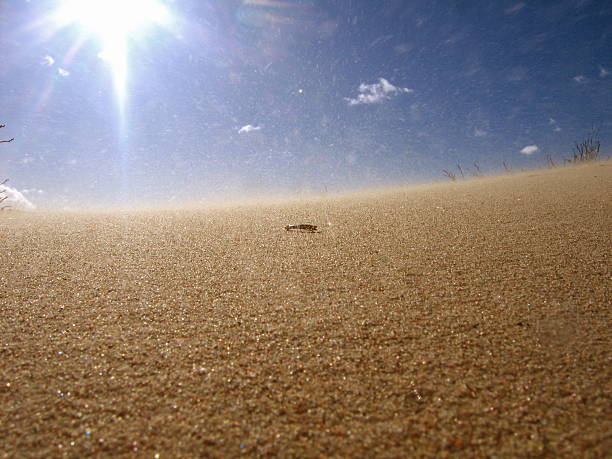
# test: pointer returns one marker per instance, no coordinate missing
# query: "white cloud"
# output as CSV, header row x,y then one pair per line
x,y
554,124
480,133
27,160
248,128
518,74
15,199
403,48
47,60
529,150
580,79
380,40
32,191
104,55
376,92
63,72
603,72
515,9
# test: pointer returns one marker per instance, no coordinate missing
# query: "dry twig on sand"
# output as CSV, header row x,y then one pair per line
x,y
303,227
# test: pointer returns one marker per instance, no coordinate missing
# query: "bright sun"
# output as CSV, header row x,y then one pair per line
x,y
113,22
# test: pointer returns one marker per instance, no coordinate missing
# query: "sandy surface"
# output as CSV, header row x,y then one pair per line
x,y
470,318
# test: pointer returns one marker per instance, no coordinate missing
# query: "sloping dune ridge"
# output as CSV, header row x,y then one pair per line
x,y
468,318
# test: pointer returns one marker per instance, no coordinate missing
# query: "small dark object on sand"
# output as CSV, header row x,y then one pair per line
x,y
302,227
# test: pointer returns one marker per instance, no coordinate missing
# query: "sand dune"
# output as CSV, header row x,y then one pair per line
x,y
464,318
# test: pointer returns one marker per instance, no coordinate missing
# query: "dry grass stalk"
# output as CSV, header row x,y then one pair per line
x,y
587,150
460,170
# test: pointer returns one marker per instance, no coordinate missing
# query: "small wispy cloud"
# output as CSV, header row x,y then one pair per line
x,y
104,55
63,72
403,48
603,72
518,74
47,60
529,150
32,191
554,124
514,9
15,199
376,93
27,160
580,79
480,133
380,40
248,128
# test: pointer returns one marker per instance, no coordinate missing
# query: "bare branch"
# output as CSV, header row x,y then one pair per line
x,y
5,141
3,196
450,175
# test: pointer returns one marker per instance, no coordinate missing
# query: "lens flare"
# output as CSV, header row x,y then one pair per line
x,y
113,22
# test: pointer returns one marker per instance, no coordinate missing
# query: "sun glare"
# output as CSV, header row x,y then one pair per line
x,y
113,22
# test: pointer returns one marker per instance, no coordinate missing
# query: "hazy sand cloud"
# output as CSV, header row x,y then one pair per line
x,y
248,128
580,79
47,60
376,92
529,150
15,199
63,72
515,9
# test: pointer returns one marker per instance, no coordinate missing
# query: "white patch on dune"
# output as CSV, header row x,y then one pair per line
x,y
15,199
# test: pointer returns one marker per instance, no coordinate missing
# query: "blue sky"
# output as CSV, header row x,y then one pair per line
x,y
243,98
